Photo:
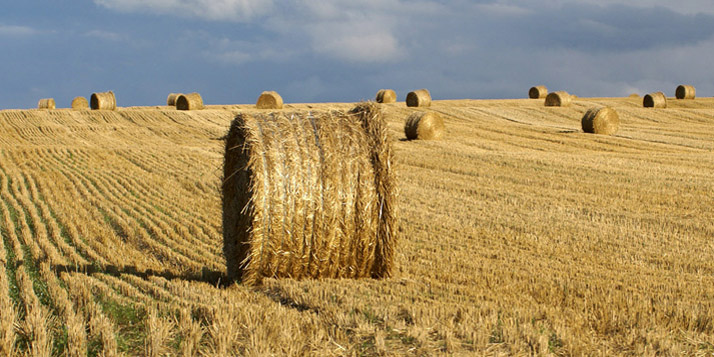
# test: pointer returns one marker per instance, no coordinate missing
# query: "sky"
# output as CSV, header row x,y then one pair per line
x,y
346,50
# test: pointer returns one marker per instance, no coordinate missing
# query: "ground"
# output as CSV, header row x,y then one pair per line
x,y
519,234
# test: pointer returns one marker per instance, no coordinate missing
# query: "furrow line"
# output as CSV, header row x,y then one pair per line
x,y
149,231
102,330
55,230
167,222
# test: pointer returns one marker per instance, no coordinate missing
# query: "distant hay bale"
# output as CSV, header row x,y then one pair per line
x,y
386,96
537,92
191,101
685,92
269,100
46,103
558,99
424,126
419,98
655,100
603,121
103,101
309,195
634,96
171,99
80,103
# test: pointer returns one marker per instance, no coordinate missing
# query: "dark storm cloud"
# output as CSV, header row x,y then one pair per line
x,y
346,50
612,28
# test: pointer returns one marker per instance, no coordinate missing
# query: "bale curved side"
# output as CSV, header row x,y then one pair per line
x,y
558,99
46,103
685,92
654,100
103,101
80,103
269,100
385,181
603,121
386,96
424,126
171,99
537,92
419,98
308,195
190,101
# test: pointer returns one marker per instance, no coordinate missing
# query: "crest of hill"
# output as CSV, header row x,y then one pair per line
x,y
132,127
141,126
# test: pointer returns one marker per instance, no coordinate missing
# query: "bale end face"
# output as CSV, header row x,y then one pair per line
x,y
424,126
603,121
537,92
654,100
269,100
191,101
386,96
103,101
685,92
558,99
419,98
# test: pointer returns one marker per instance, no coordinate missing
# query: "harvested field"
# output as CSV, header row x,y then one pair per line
x,y
520,235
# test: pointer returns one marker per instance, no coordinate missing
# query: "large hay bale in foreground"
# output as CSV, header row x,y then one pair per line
x,y
190,101
309,195
386,96
424,126
654,100
603,120
46,103
80,103
558,99
685,92
269,100
103,101
171,99
537,92
419,98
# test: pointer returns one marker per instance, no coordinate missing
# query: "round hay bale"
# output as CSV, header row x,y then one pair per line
x,y
80,103
654,100
419,98
191,101
634,96
685,92
171,99
424,126
269,100
103,101
386,96
537,92
603,121
46,103
558,99
309,195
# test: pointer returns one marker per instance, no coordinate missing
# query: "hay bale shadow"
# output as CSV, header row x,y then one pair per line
x,y
209,276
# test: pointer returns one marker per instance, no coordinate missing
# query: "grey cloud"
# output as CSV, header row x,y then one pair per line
x,y
14,30
614,28
222,10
